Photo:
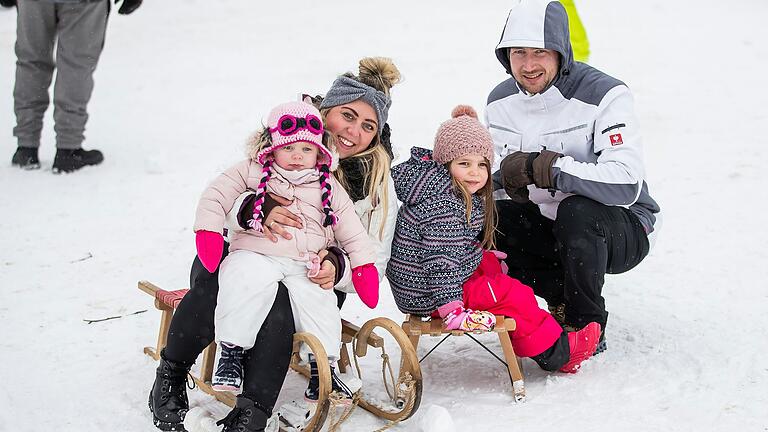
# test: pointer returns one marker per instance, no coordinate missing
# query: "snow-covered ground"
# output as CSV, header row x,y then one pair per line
x,y
182,82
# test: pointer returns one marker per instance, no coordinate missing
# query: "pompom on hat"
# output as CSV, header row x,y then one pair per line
x,y
463,134
291,123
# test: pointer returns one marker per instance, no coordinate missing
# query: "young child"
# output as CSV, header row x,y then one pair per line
x,y
287,158
438,266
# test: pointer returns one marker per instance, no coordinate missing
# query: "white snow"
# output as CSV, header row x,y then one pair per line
x,y
182,82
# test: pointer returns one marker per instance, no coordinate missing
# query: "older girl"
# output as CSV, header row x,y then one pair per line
x,y
439,266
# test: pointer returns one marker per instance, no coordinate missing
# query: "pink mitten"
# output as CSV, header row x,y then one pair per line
x,y
365,278
469,320
210,246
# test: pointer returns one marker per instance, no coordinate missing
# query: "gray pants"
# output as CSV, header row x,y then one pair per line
x,y
80,30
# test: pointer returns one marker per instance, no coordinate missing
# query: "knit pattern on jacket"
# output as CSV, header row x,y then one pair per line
x,y
434,249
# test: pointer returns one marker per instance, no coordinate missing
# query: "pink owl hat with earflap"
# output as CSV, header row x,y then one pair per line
x,y
291,123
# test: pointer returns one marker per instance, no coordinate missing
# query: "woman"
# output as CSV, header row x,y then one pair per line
x,y
355,111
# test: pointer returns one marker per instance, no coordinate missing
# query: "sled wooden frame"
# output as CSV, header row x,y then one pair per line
x,y
363,337
203,380
415,327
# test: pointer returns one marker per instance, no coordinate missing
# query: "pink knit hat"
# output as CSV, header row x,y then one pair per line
x,y
294,122
463,134
291,123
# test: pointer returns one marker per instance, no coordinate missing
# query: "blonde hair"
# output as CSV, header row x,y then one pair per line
x,y
486,196
381,74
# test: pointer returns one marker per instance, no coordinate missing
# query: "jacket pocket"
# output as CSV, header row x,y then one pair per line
x,y
505,141
576,140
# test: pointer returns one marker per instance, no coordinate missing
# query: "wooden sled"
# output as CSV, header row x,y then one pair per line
x,y
415,327
167,301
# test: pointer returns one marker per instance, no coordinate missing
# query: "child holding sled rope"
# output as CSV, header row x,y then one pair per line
x,y
288,158
440,265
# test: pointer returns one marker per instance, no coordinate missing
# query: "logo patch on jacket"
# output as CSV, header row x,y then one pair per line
x,y
616,139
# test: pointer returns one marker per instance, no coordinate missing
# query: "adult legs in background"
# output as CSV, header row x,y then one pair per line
x,y
80,29
35,39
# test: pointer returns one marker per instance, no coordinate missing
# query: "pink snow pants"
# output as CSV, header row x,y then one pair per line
x,y
491,290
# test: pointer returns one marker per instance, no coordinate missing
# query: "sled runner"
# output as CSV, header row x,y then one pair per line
x,y
415,327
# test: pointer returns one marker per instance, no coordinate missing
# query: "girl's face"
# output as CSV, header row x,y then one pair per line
x,y
297,156
354,125
471,171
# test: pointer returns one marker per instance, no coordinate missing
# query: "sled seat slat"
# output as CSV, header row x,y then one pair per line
x,y
415,327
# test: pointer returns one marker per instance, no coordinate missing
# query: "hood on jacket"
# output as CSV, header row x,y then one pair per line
x,y
537,24
420,178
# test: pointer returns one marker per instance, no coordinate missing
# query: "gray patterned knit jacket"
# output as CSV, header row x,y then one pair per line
x,y
434,250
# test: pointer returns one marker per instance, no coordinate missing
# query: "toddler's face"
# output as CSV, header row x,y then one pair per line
x,y
471,171
297,156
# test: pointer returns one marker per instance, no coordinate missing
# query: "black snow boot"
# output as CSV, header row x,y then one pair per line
x,y
246,416
26,158
72,160
312,394
168,399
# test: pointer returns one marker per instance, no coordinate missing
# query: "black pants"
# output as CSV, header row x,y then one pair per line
x,y
565,260
265,365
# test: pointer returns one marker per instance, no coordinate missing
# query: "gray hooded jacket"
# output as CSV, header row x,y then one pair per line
x,y
584,114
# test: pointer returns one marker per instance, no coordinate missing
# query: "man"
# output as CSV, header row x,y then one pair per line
x,y
576,204
77,29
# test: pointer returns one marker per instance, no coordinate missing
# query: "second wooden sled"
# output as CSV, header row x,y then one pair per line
x,y
415,327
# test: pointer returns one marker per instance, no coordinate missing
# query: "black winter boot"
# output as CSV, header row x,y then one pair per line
x,y
26,158
312,393
246,416
72,160
168,399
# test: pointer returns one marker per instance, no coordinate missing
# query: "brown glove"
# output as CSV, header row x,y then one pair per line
x,y
513,170
542,168
517,174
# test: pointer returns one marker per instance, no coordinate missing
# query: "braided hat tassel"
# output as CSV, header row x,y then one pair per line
x,y
258,214
330,217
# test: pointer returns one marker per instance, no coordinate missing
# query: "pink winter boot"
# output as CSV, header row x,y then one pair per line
x,y
365,279
582,345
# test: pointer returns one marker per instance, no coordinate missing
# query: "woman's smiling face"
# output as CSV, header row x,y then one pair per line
x,y
353,125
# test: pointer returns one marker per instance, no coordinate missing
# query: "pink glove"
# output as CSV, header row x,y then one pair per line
x,y
469,320
210,246
365,278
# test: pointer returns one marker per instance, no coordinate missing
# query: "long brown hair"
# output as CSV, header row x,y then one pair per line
x,y
486,196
